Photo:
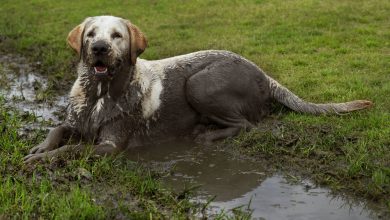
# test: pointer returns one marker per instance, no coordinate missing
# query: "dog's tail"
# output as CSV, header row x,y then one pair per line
x,y
289,99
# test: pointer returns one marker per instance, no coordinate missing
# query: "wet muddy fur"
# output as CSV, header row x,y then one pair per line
x,y
174,97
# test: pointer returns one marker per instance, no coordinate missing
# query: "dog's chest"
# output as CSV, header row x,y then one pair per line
x,y
93,116
90,114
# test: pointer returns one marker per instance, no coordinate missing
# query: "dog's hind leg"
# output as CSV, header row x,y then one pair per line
x,y
53,139
230,100
210,136
231,127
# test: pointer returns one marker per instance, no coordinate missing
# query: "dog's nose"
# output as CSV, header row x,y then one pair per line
x,y
100,48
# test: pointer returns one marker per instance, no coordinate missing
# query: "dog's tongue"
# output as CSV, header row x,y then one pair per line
x,y
100,69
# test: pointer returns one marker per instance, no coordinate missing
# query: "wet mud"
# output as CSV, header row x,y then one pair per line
x,y
232,182
26,90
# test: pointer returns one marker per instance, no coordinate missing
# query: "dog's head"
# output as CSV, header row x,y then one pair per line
x,y
105,43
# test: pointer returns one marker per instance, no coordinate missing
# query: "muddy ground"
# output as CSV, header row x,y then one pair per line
x,y
275,151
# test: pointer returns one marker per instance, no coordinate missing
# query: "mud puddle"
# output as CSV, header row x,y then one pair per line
x,y
244,184
24,89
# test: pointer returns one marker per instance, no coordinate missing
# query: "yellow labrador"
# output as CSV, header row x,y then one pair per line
x,y
120,100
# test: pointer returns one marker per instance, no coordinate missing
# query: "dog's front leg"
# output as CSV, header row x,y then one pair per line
x,y
103,149
53,139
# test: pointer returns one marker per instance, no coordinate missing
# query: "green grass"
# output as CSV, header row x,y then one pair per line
x,y
322,50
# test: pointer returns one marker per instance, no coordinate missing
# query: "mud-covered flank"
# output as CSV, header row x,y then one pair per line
x,y
244,184
27,91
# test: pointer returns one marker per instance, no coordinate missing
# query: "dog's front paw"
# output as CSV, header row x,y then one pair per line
x,y
33,158
43,147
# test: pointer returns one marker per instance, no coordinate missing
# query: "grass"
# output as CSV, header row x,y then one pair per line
x,y
322,50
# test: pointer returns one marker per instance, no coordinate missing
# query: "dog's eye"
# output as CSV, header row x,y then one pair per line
x,y
116,35
91,34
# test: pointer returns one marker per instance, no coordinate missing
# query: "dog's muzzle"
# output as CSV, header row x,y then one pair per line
x,y
100,50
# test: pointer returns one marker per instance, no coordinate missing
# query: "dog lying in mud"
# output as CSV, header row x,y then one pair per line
x,y
120,100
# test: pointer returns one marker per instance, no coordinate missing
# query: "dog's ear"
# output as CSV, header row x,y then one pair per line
x,y
138,42
75,36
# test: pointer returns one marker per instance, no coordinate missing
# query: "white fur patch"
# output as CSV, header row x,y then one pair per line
x,y
99,89
149,76
99,105
119,107
110,143
78,97
152,102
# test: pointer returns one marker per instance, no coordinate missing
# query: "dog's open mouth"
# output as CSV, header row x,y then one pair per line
x,y
100,69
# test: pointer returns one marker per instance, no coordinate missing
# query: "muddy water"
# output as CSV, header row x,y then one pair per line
x,y
242,182
23,89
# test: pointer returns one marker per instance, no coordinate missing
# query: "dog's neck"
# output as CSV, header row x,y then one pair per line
x,y
95,87
88,90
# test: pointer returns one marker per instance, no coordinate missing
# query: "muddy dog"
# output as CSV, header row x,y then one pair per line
x,y
120,100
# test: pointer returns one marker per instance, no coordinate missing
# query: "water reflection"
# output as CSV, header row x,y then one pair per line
x,y
238,182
